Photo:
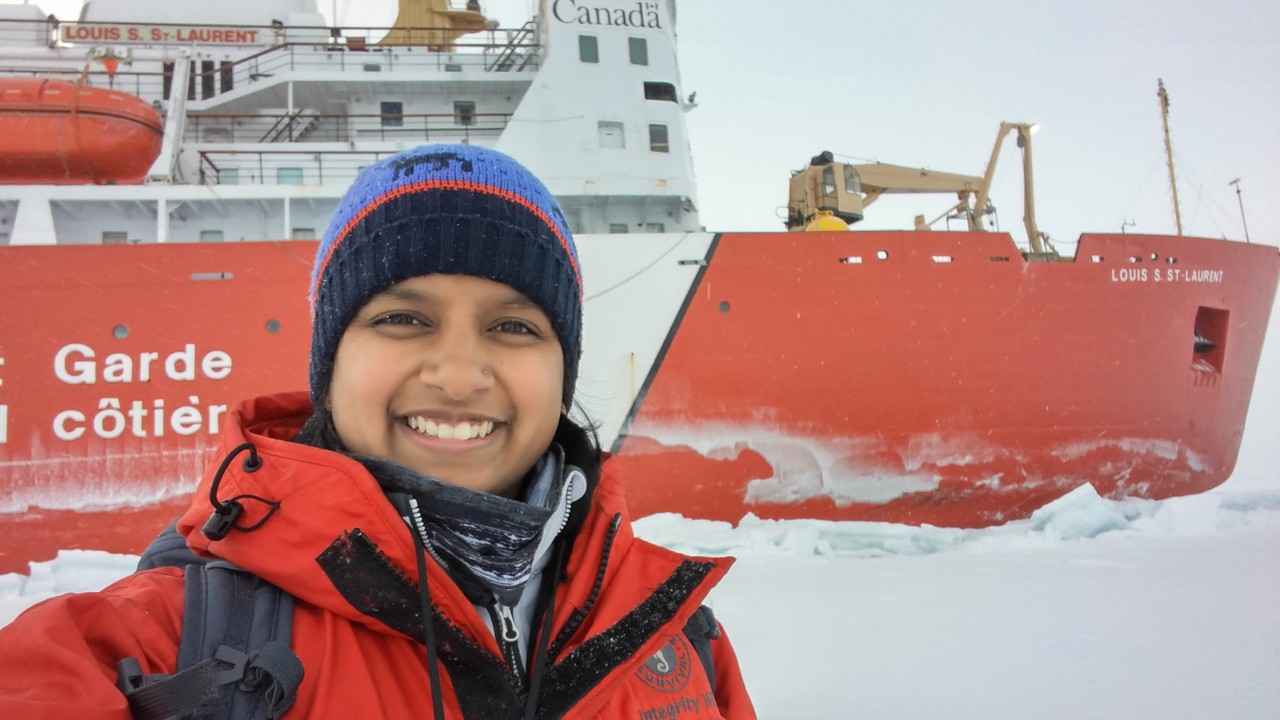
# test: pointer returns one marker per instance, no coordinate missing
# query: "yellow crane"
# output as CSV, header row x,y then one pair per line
x,y
833,195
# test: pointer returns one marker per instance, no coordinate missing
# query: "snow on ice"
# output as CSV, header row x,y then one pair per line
x,y
1088,609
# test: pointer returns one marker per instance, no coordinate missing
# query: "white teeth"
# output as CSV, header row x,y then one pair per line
x,y
445,431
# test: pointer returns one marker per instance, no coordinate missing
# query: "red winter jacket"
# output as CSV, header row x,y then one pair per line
x,y
58,660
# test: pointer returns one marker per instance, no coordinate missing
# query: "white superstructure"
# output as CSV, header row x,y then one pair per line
x,y
280,111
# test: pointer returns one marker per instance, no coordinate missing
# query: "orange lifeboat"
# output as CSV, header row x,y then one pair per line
x,y
54,132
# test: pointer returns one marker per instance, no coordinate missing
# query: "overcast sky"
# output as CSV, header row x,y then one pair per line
x,y
927,84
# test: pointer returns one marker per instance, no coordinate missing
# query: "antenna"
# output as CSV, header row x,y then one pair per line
x,y
1168,149
1236,183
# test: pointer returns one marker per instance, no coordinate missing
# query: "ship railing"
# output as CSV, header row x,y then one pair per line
x,y
301,58
135,83
294,50
283,167
519,53
211,79
313,127
289,127
289,167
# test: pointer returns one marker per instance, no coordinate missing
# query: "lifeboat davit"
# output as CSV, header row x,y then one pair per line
x,y
54,132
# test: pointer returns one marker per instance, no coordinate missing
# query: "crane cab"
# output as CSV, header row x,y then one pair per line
x,y
826,189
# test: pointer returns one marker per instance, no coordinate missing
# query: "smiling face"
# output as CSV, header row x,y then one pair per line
x,y
456,377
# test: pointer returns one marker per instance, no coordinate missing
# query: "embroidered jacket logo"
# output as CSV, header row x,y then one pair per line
x,y
669,668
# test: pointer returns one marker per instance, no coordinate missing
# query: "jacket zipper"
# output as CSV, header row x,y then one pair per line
x,y
420,526
455,636
505,629
507,633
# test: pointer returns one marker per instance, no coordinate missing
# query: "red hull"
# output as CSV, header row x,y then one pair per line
x,y
951,383
57,133
961,393
224,299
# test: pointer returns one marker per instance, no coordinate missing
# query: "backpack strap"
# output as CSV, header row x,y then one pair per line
x,y
700,630
234,659
169,549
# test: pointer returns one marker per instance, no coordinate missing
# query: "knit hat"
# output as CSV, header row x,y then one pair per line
x,y
448,209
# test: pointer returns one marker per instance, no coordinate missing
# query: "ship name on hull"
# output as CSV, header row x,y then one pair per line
x,y
641,15
1171,275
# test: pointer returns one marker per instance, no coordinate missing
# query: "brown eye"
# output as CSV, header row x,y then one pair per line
x,y
516,327
398,324
396,319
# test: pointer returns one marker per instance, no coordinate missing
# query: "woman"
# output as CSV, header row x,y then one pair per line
x,y
432,465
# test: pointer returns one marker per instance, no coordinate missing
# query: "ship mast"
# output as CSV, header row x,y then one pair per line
x,y
1168,151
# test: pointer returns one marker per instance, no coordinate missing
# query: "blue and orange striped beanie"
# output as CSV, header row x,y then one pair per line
x,y
448,209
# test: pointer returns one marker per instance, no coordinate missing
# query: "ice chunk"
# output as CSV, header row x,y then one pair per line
x,y
1081,513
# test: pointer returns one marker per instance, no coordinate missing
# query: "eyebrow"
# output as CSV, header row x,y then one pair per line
x,y
409,294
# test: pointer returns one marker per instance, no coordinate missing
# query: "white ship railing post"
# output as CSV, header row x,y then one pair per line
x,y
162,220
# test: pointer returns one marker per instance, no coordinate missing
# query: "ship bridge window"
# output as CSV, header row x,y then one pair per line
x,y
4,238
228,176
392,113
166,79
618,228
612,136
206,79
289,176
655,227
114,237
828,182
639,51
464,112
588,48
304,233
227,79
852,180
210,236
658,141
660,91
